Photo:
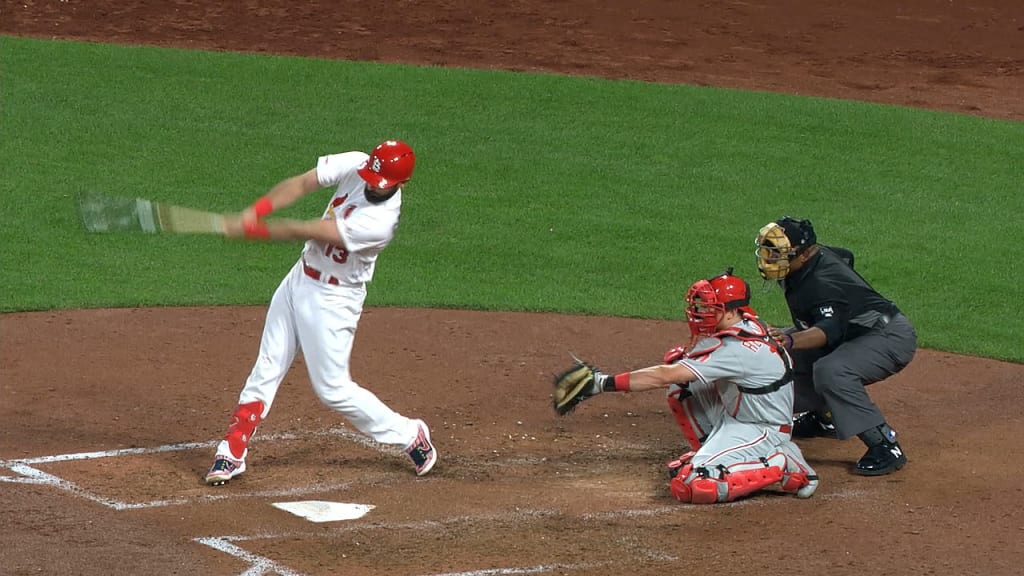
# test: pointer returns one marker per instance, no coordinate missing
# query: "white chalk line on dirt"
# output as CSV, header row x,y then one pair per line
x,y
524,570
30,475
503,517
260,566
35,476
182,446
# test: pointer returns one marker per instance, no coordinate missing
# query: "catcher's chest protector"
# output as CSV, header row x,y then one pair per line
x,y
761,336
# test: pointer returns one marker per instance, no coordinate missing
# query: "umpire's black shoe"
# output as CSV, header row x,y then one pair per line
x,y
811,425
882,458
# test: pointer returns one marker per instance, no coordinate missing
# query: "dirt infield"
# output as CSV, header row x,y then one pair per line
x,y
106,427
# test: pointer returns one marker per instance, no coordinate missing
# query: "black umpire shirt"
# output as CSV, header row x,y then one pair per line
x,y
827,293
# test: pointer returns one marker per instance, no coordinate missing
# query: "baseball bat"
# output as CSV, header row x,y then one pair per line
x,y
102,213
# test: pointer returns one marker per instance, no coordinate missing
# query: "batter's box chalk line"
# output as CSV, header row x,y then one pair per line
x,y
27,473
263,566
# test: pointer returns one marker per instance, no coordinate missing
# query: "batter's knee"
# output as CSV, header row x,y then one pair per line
x,y
338,394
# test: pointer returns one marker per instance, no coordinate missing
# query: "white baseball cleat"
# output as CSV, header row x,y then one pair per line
x,y
807,490
422,450
224,468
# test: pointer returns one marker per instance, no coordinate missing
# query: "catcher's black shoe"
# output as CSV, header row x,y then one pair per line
x,y
813,425
882,458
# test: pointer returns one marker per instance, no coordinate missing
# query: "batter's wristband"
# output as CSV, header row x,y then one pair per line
x,y
263,207
789,342
622,382
255,229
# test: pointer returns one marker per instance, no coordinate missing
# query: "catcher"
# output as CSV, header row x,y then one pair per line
x,y
730,391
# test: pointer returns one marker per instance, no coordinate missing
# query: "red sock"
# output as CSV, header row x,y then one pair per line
x,y
243,424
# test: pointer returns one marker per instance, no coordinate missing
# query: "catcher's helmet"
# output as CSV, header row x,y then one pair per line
x,y
707,300
779,242
390,164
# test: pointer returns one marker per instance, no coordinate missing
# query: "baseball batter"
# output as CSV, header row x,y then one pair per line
x,y
730,391
317,306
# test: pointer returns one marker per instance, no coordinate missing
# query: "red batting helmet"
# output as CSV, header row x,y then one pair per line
x,y
707,300
390,164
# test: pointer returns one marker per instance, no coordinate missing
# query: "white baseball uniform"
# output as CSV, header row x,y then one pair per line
x,y
739,407
317,306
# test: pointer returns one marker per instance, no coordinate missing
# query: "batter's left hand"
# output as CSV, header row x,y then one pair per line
x,y
234,225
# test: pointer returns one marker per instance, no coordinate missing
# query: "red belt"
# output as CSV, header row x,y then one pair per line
x,y
318,275
786,429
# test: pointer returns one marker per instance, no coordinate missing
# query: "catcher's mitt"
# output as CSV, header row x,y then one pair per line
x,y
576,385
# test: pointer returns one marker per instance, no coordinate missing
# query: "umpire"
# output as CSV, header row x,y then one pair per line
x,y
845,335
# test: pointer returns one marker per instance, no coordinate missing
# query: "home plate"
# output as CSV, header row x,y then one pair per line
x,y
322,511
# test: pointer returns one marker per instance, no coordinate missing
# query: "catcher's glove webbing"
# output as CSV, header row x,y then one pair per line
x,y
576,385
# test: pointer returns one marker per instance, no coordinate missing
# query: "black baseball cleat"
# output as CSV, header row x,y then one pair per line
x,y
811,425
881,459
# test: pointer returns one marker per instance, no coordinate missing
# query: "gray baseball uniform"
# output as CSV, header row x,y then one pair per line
x,y
739,409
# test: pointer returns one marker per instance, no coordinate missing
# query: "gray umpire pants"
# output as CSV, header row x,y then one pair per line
x,y
836,380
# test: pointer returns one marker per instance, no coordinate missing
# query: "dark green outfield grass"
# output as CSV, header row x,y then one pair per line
x,y
532,192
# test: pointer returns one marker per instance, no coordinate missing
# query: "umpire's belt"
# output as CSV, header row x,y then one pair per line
x,y
318,275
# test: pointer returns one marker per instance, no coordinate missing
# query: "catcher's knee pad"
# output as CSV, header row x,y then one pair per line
x,y
676,398
705,490
678,484
243,424
697,488
676,466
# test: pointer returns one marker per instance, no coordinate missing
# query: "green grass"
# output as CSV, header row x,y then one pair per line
x,y
532,192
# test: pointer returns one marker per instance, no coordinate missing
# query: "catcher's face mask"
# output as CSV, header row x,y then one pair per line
x,y
703,311
708,300
773,252
779,242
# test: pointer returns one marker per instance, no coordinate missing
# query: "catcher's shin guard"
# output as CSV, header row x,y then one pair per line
x,y
694,486
730,484
677,403
745,482
678,486
243,424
